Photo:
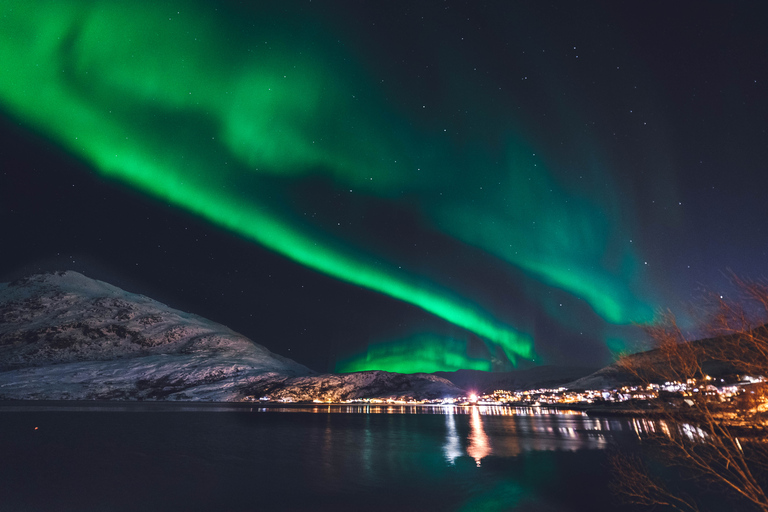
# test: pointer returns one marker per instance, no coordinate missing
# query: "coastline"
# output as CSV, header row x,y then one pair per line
x,y
206,406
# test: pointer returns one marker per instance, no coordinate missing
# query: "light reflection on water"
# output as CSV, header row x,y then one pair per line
x,y
452,448
490,430
497,430
479,446
470,458
494,410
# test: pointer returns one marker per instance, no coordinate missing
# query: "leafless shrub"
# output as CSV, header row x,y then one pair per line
x,y
719,442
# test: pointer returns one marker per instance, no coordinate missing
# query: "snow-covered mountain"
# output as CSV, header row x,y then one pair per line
x,y
63,335
66,336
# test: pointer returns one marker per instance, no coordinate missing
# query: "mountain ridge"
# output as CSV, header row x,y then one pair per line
x,y
66,336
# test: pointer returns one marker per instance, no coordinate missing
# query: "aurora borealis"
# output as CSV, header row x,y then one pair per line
x,y
496,184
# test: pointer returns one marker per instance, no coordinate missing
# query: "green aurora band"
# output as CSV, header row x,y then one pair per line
x,y
419,354
193,107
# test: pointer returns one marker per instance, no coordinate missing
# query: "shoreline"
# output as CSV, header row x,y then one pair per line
x,y
203,406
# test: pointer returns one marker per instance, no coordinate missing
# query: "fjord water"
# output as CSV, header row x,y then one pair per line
x,y
166,457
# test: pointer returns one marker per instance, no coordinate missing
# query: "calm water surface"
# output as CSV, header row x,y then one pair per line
x,y
158,457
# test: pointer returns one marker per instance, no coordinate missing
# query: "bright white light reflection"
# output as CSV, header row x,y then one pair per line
x,y
485,410
452,448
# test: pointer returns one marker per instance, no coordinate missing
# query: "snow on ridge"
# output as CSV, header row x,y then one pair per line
x,y
68,286
62,317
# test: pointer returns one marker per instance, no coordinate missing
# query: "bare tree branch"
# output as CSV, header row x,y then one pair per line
x,y
719,442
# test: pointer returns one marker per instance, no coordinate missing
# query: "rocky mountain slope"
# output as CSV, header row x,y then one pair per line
x,y
66,336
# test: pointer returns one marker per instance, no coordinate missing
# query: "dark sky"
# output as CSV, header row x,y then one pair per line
x,y
395,185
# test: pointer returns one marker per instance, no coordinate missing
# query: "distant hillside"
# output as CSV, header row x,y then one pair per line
x,y
547,376
613,376
347,386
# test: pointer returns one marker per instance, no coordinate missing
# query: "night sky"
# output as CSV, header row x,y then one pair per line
x,y
405,186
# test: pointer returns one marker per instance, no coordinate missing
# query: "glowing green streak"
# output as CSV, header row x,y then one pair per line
x,y
97,80
618,346
561,239
605,296
420,354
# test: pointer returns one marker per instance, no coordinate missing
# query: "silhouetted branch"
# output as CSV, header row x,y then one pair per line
x,y
719,441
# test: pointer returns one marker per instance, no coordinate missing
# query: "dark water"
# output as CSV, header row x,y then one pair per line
x,y
174,457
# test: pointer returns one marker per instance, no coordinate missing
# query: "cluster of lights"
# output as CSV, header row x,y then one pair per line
x,y
560,396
